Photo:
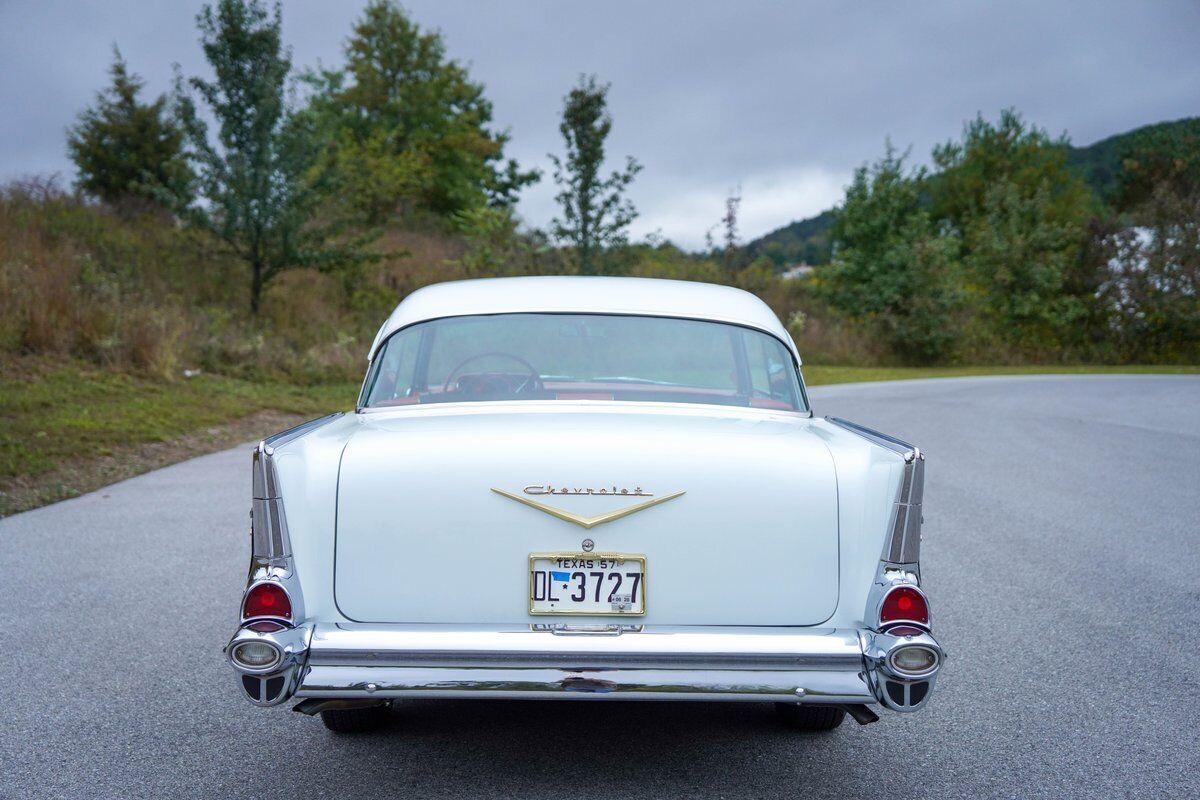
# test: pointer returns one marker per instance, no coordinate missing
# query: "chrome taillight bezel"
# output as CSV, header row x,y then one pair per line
x,y
883,625
285,620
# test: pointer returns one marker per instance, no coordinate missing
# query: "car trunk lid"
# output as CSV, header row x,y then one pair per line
x,y
423,537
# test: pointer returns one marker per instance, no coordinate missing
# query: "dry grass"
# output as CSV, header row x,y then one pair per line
x,y
79,282
142,295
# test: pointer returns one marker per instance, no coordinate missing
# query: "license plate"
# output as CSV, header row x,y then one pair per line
x,y
587,583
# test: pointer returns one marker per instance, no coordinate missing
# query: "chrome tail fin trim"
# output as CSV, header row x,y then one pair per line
x,y
902,547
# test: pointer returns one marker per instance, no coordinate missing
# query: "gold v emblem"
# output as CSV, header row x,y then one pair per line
x,y
588,522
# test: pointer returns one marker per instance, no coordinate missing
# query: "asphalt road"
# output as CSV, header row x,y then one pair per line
x,y
1061,552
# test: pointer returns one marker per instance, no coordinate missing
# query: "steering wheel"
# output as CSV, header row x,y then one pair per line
x,y
534,379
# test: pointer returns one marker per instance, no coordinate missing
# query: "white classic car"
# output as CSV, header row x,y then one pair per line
x,y
589,489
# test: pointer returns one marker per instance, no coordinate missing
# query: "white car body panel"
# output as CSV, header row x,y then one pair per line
x,y
422,538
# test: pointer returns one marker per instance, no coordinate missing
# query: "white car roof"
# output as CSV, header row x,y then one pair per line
x,y
585,295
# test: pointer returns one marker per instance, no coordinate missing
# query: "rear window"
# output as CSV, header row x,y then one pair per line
x,y
582,357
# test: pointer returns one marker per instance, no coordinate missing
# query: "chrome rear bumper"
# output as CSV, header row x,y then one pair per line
x,y
614,663
809,665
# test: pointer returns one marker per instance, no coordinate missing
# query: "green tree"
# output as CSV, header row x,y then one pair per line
x,y
494,245
733,255
595,211
1153,253
127,151
253,178
892,269
1022,214
401,127
1019,256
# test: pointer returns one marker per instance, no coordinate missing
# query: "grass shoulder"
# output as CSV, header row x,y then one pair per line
x,y
71,428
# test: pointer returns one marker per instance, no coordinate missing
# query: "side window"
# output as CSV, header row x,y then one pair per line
x,y
770,368
756,358
394,376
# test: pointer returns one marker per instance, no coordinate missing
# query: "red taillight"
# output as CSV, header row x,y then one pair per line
x,y
267,600
904,603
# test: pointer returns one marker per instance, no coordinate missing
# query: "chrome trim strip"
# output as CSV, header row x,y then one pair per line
x,y
294,433
268,522
897,446
270,544
902,547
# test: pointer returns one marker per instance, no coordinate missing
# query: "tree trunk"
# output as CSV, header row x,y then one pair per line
x,y
256,286
585,238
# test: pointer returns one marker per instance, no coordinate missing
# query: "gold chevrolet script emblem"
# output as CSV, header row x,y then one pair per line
x,y
579,519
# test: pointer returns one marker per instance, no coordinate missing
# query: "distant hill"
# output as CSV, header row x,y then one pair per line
x,y
1099,164
806,240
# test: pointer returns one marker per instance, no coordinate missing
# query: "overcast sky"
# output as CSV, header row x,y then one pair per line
x,y
781,98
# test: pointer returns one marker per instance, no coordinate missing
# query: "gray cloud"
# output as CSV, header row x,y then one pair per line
x,y
783,99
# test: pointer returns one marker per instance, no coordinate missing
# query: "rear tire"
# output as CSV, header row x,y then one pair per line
x,y
357,720
813,719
